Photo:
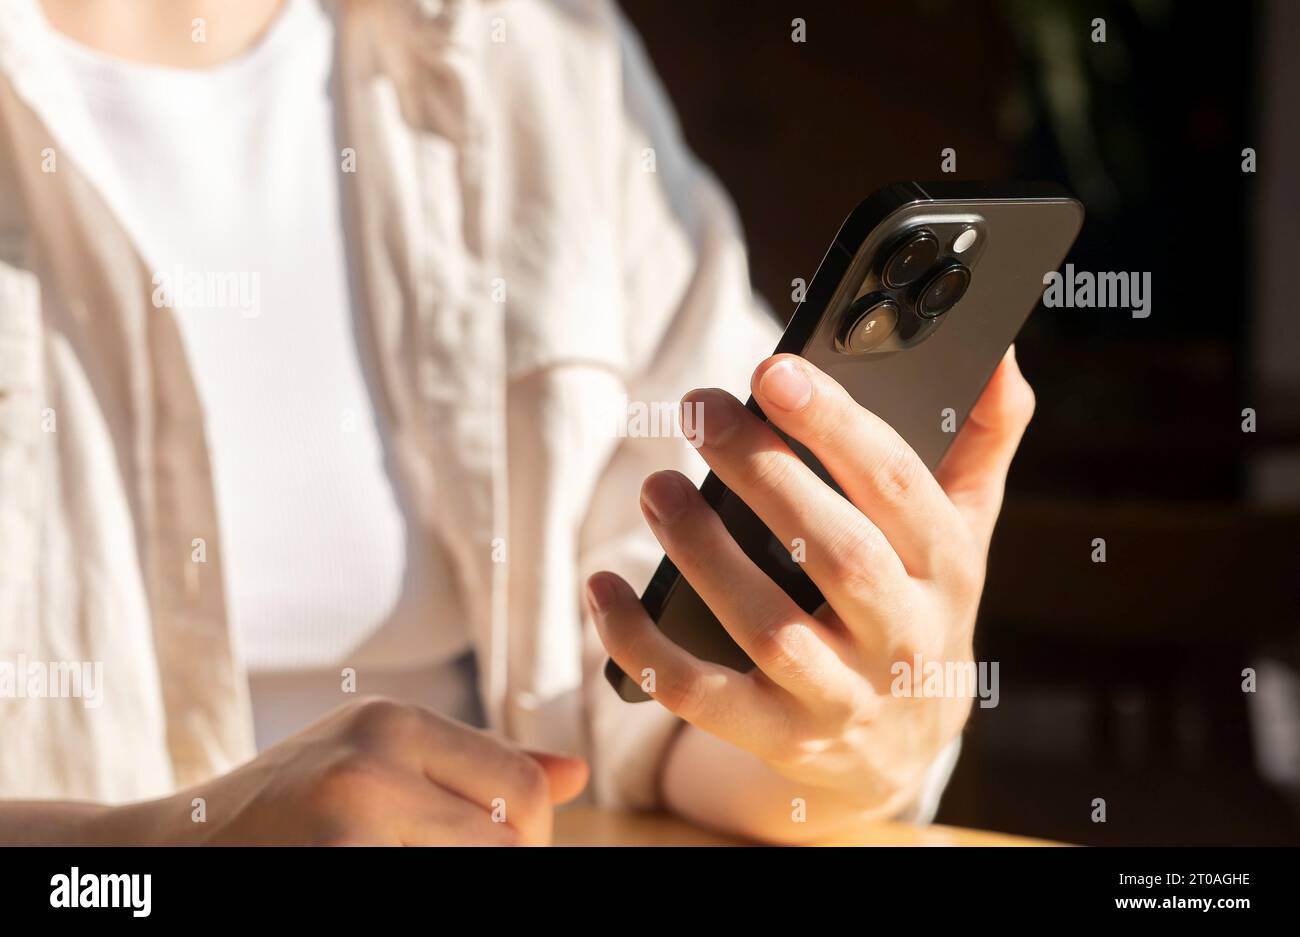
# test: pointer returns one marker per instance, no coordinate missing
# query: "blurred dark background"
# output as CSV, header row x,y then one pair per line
x,y
1122,680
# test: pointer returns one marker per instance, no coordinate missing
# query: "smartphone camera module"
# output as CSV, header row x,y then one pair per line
x,y
910,259
943,291
908,284
868,324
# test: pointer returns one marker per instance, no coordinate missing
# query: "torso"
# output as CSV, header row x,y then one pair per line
x,y
228,178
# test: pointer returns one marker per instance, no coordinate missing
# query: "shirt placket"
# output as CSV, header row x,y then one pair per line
x,y
445,392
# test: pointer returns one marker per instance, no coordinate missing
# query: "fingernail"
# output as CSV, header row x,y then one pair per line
x,y
600,592
664,495
785,385
708,416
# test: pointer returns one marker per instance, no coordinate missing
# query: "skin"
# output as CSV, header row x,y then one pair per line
x,y
373,772
900,559
161,32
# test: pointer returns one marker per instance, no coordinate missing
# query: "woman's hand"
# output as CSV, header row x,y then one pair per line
x,y
372,772
899,559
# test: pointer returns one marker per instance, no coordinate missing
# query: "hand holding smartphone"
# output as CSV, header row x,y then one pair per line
x,y
913,306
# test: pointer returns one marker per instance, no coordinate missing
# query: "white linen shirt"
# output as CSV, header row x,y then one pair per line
x,y
536,245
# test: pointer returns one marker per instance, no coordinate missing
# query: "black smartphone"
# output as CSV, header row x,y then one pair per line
x,y
911,310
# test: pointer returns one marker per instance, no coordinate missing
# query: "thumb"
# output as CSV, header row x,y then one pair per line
x,y
566,774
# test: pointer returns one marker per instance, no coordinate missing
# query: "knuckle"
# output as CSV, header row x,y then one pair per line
x,y
914,644
683,695
346,779
382,720
862,708
898,471
528,784
369,713
796,748
770,472
833,410
777,646
839,708
857,556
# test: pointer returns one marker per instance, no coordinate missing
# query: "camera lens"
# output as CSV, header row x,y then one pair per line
x,y
911,259
943,291
867,324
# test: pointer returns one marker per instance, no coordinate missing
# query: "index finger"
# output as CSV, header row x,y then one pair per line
x,y
490,772
875,467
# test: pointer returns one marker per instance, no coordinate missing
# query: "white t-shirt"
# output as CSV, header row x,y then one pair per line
x,y
229,180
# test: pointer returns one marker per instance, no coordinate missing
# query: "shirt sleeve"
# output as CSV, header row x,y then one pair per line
x,y
935,781
692,319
